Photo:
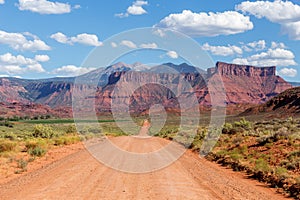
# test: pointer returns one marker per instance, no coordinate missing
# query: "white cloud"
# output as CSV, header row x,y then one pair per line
x,y
257,45
285,13
35,68
207,24
44,6
289,72
60,37
77,6
149,46
222,50
42,58
19,64
2,1
128,43
72,70
23,42
280,45
87,39
113,44
277,11
292,29
84,38
135,9
172,54
272,57
159,32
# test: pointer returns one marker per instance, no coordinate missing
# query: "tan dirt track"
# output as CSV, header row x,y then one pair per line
x,y
80,176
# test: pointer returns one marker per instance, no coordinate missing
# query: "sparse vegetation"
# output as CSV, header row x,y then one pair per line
x,y
269,150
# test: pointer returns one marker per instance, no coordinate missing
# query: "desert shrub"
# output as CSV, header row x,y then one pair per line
x,y
36,147
232,129
243,123
43,131
9,136
66,140
6,145
293,161
6,123
261,165
22,164
222,153
226,128
71,129
94,130
238,140
235,156
37,151
281,172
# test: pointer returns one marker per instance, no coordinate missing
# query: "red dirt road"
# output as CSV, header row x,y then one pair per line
x,y
80,176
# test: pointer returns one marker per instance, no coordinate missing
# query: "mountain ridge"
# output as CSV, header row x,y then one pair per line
x,y
243,84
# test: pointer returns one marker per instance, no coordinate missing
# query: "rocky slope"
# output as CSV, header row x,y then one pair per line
x,y
286,103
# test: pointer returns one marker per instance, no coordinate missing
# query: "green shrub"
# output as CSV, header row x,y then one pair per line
x,y
22,164
6,145
37,151
281,172
226,128
66,140
236,156
43,131
261,165
71,129
243,123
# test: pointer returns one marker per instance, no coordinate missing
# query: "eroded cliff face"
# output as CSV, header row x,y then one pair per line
x,y
243,85
226,69
248,84
141,90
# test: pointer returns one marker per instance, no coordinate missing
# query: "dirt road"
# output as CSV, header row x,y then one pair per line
x,y
80,176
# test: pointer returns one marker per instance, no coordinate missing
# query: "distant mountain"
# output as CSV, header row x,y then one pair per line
x,y
243,84
285,104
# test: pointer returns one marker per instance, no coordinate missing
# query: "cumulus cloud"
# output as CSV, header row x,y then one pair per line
x,y
288,72
159,32
128,43
71,70
44,6
257,45
275,45
272,57
60,37
277,11
292,30
207,24
23,41
84,38
42,58
2,1
19,64
222,50
135,9
149,46
172,54
285,13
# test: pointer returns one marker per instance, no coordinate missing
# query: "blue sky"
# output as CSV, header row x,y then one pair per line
x,y
45,38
